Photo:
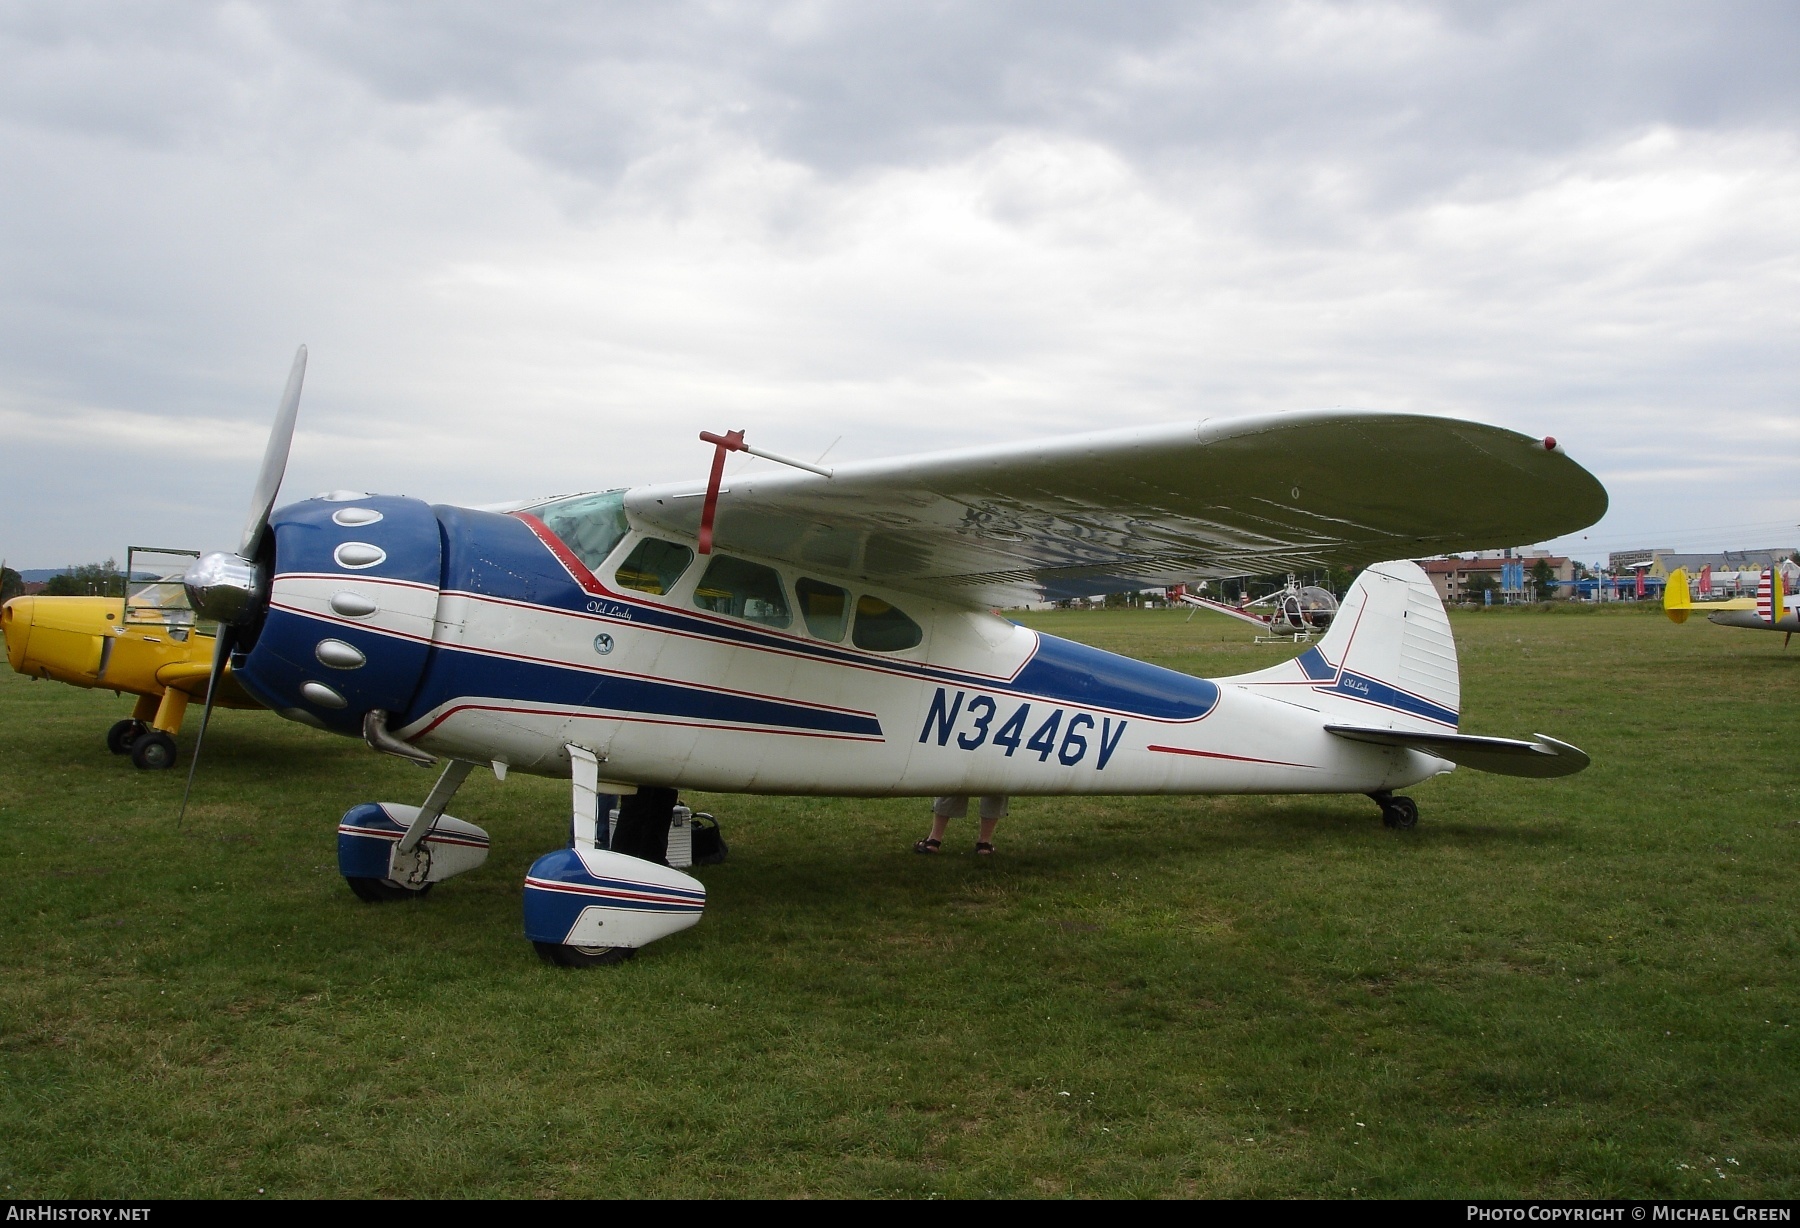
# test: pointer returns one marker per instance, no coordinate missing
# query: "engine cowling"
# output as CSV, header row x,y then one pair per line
x,y
351,606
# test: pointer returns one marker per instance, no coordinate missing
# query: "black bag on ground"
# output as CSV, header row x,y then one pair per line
x,y
709,846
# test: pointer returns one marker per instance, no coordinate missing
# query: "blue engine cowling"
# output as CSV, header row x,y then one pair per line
x,y
352,604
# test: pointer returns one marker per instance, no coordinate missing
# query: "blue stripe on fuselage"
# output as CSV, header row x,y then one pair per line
x,y
1313,664
1371,691
462,673
1063,671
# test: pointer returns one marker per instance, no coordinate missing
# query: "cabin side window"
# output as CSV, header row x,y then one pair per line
x,y
589,525
743,590
825,607
881,627
653,566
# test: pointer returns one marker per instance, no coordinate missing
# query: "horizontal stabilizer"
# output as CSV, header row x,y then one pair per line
x,y
1504,756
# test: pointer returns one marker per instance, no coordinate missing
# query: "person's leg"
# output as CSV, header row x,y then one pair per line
x,y
943,809
993,809
643,828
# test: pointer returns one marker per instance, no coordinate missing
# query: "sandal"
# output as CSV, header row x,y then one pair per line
x,y
984,848
927,846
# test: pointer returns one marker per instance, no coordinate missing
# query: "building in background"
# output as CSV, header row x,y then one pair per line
x,y
1462,578
1619,562
1728,573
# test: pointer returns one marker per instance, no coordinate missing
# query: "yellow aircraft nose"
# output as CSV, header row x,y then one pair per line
x,y
15,625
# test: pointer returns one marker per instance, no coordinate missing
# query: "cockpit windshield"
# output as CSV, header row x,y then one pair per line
x,y
1317,600
589,525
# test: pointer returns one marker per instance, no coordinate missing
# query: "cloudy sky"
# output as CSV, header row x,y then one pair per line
x,y
536,247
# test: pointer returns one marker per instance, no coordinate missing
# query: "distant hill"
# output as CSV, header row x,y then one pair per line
x,y
37,575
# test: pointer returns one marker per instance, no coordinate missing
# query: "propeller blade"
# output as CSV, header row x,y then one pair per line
x,y
268,483
221,656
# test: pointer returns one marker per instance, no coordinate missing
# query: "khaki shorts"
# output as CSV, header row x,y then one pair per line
x,y
958,807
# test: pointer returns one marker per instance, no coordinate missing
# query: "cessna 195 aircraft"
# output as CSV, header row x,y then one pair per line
x,y
1770,610
831,632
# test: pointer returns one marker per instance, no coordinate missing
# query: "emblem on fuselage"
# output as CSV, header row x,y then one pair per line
x,y
603,643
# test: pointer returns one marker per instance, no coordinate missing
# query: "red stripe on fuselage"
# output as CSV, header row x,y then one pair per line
x,y
1213,754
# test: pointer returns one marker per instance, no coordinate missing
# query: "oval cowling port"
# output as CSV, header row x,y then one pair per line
x,y
358,555
339,655
352,605
322,696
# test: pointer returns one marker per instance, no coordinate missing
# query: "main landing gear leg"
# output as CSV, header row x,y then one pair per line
x,y
587,905
387,851
154,749
1400,813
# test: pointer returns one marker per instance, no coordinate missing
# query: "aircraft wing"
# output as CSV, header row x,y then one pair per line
x,y
1149,507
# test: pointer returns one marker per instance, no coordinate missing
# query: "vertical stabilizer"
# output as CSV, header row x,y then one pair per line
x,y
1769,595
1389,660
1677,601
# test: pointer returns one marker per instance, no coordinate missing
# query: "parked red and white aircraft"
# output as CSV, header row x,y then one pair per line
x,y
831,632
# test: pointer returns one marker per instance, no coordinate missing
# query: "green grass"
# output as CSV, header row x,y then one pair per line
x,y
1578,988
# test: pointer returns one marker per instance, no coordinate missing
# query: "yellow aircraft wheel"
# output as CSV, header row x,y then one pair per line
x,y
120,737
155,751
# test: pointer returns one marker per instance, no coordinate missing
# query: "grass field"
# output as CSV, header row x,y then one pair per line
x,y
1579,988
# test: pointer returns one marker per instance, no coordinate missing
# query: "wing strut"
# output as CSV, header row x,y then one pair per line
x,y
733,441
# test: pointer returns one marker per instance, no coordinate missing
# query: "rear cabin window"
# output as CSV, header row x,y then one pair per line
x,y
881,627
825,607
589,525
743,590
653,566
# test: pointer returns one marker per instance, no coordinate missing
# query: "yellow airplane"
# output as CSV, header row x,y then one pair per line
x,y
147,644
1769,610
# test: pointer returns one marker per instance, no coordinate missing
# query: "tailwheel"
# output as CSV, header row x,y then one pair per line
x,y
565,956
120,737
154,751
381,890
1400,813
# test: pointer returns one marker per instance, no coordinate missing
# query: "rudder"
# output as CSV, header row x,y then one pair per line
x,y
1389,659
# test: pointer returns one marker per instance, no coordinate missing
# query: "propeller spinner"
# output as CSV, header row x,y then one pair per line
x,y
231,588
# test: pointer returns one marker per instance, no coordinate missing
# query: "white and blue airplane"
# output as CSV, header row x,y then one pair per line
x,y
832,633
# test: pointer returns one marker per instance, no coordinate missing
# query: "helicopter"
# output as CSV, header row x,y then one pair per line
x,y
1294,613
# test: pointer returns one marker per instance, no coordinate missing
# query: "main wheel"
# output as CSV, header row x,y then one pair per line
x,y
120,737
154,751
1400,813
380,890
583,957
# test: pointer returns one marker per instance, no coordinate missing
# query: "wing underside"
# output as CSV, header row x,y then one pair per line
x,y
1149,507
